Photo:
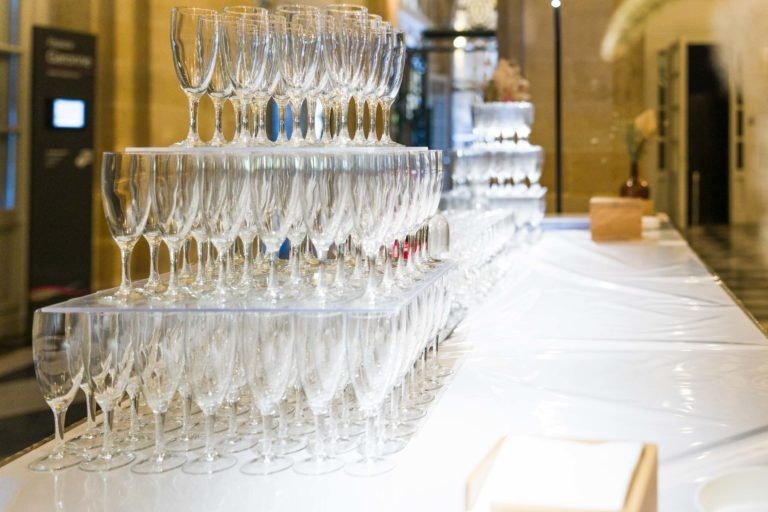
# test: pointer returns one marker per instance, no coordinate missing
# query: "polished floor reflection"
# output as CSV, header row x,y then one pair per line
x,y
739,255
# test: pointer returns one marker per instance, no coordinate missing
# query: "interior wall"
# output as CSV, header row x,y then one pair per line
x,y
598,99
691,21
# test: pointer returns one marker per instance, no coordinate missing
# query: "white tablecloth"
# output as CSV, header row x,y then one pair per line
x,y
630,341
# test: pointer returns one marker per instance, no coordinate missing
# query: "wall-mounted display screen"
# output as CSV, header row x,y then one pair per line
x,y
67,113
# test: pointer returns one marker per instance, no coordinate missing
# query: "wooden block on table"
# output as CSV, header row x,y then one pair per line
x,y
615,218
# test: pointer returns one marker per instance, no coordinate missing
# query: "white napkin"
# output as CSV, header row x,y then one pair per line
x,y
531,472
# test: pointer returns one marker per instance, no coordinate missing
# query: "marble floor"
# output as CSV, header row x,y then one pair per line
x,y
738,254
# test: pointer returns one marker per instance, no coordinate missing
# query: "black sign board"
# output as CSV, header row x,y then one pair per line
x,y
63,94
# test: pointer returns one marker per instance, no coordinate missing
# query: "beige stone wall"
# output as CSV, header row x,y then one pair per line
x,y
597,98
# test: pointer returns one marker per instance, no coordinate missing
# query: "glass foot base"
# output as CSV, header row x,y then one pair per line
x,y
369,467
264,466
102,463
318,466
134,443
288,445
394,445
55,462
154,465
185,444
207,465
235,444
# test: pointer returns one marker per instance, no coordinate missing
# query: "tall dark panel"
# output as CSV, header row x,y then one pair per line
x,y
64,65
708,139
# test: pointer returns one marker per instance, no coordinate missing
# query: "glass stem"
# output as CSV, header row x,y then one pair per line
x,y
343,134
159,434
359,109
282,420
400,258
247,243
186,417
236,107
372,105
262,120
58,421
90,412
218,103
221,281
154,275
311,110
193,105
386,280
371,286
210,450
106,446
293,262
200,279
327,130
370,437
272,277
134,402
387,106
172,283
281,135
266,436
394,402
243,121
319,437
321,289
232,426
339,279
125,279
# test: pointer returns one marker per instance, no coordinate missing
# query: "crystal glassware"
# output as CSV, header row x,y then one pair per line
x,y
194,45
126,193
59,370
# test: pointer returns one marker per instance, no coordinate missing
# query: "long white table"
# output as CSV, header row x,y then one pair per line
x,y
633,341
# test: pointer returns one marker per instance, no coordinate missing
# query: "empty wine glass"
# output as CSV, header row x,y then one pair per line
x,y
393,80
194,44
78,333
125,192
219,90
298,63
210,353
223,205
275,45
267,352
326,185
368,81
373,345
245,44
344,37
277,204
176,201
110,366
320,361
159,365
59,370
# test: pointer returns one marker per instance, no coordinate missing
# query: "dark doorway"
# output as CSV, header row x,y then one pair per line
x,y
708,135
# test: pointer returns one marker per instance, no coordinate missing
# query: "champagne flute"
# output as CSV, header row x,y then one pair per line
x,y
125,192
159,365
194,44
59,372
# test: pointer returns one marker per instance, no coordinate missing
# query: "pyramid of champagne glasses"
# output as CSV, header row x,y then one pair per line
x,y
501,168
333,341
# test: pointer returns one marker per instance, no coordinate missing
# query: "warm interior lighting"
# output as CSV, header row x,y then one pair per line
x,y
556,3
460,42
